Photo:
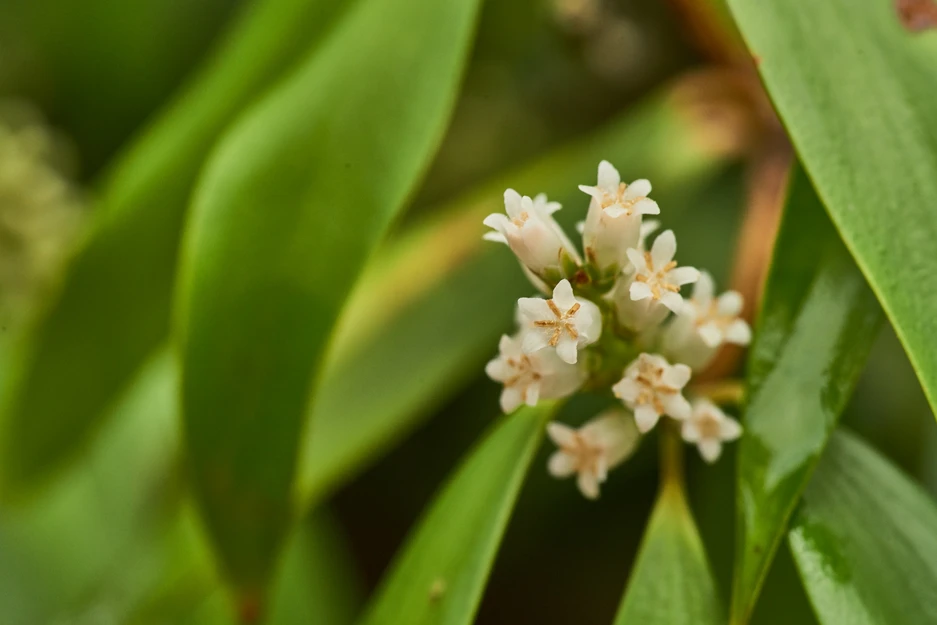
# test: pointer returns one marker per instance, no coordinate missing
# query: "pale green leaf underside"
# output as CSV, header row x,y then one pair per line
x,y
865,540
439,575
286,212
671,583
856,92
817,323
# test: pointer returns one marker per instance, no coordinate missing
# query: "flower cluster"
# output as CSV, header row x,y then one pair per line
x,y
40,210
613,317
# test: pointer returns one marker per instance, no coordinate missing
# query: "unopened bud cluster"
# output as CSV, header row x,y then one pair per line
x,y
614,317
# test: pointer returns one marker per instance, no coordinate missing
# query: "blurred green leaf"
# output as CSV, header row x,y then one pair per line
x,y
856,91
817,324
288,209
113,308
79,546
397,330
864,540
672,582
439,575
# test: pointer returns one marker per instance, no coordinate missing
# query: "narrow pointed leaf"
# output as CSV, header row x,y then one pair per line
x,y
672,582
856,90
816,326
864,540
439,575
399,329
290,206
112,311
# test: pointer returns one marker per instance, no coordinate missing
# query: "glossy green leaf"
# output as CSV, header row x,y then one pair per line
x,y
287,211
439,575
113,308
817,323
856,91
864,540
397,329
672,582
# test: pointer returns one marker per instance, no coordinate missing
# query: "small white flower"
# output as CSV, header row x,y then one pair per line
x,y
613,223
709,427
704,324
527,378
599,445
651,388
656,273
564,322
531,232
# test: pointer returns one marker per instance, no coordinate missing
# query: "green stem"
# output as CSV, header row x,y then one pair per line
x,y
671,455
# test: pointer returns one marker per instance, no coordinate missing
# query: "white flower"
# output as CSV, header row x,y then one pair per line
x,y
613,223
531,232
651,387
709,427
529,377
704,324
599,445
564,322
656,273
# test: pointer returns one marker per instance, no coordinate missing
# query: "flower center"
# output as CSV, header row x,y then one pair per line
x,y
521,219
711,315
657,279
611,199
652,387
562,323
524,372
709,426
586,456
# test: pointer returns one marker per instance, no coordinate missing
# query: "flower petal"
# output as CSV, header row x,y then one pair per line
x,y
711,334
703,289
534,340
532,394
561,465
676,406
646,206
534,308
672,301
710,450
664,248
563,295
677,376
626,389
510,399
609,178
637,260
683,275
689,431
730,304
638,188
595,192
562,434
567,349
640,290
512,203
497,237
739,332
588,485
645,417
729,429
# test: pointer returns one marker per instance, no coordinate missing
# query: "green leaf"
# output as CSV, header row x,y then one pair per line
x,y
397,329
287,211
856,92
439,575
113,308
864,540
672,582
817,323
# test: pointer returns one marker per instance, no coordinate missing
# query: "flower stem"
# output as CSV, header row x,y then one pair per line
x,y
721,392
671,456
